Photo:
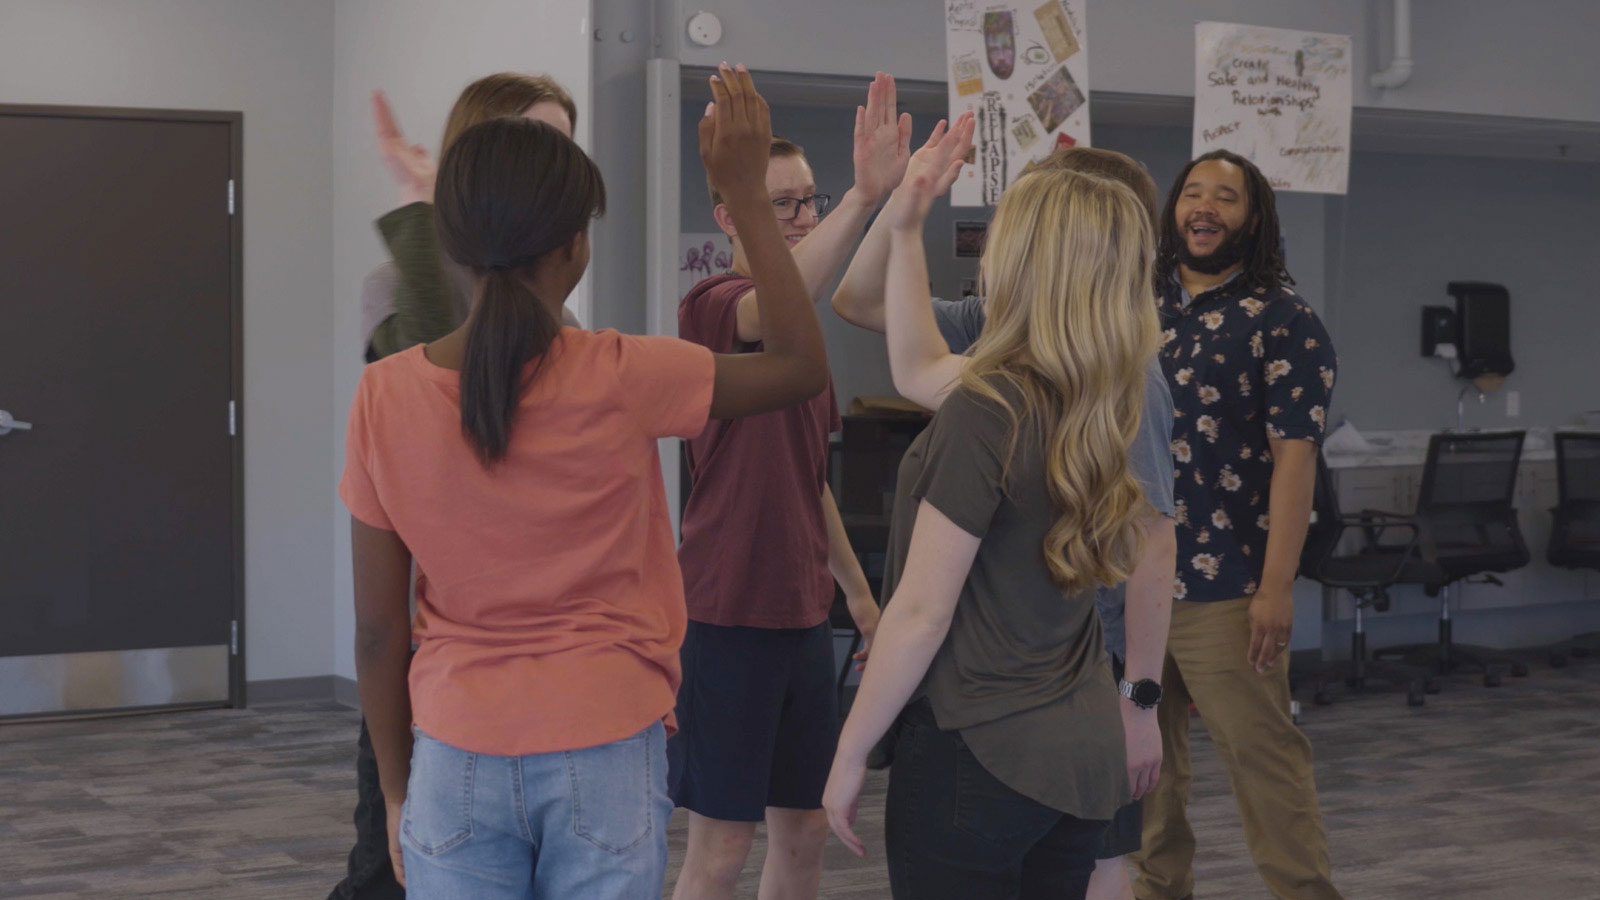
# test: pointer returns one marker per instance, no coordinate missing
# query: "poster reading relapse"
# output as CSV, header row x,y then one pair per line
x,y
1023,68
1277,97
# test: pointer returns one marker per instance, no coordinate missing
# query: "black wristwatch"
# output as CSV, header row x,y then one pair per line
x,y
1145,693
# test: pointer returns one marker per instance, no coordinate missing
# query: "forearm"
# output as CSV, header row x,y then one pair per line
x,y
422,299
923,368
907,640
842,560
1288,512
383,656
1147,610
859,297
790,326
820,253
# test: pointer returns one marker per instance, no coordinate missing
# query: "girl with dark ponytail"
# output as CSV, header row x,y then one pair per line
x,y
513,461
508,224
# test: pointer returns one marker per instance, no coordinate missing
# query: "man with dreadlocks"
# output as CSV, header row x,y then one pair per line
x,y
1251,370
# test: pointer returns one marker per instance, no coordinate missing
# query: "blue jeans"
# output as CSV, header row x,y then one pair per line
x,y
586,823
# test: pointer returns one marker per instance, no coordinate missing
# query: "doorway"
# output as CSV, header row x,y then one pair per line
x,y
121,502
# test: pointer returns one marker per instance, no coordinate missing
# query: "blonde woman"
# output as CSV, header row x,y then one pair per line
x,y
1017,502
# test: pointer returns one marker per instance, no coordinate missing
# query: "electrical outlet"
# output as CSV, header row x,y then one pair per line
x,y
1513,404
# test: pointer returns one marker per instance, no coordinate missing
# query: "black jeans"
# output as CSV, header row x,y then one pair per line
x,y
368,874
955,831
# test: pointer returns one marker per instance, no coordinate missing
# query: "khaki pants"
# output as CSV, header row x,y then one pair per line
x,y
1268,761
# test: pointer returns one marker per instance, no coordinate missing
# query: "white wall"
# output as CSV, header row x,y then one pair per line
x,y
422,53
274,62
1473,56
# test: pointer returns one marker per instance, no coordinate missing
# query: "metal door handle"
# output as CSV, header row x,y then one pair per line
x,y
9,424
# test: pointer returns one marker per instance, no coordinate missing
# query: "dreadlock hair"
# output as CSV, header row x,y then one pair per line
x,y
1264,267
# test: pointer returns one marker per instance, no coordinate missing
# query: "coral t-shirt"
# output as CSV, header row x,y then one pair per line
x,y
553,609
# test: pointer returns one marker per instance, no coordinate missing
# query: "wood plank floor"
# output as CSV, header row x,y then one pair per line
x,y
1482,795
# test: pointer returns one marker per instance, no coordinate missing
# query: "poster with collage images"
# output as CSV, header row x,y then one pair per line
x,y
1023,69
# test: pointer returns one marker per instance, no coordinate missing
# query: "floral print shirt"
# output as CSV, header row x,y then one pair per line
x,y
1245,367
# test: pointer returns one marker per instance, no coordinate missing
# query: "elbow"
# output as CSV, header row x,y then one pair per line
x,y
378,640
813,380
844,307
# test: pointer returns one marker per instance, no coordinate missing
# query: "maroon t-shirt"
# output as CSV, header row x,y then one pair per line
x,y
755,544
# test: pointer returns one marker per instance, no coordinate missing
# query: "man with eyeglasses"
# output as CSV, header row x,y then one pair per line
x,y
762,546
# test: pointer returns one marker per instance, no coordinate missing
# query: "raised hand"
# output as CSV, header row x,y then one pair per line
x,y
882,141
931,171
736,134
411,166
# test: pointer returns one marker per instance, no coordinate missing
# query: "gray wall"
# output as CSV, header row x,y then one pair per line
x,y
1413,223
274,62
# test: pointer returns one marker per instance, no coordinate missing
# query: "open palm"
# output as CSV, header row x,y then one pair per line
x,y
882,140
931,171
410,165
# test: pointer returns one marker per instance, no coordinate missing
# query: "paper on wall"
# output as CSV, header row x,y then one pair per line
x,y
1023,69
702,254
1278,97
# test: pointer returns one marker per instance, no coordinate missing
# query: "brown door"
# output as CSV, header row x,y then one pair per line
x,y
119,504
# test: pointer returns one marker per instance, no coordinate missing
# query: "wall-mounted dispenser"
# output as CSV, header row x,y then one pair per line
x,y
1477,333
1483,329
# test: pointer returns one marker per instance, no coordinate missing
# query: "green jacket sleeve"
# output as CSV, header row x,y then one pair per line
x,y
422,300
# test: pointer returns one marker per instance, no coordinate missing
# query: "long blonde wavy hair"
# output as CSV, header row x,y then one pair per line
x,y
1071,326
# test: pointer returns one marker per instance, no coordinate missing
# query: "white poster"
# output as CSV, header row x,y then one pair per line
x,y
1023,68
1277,97
702,254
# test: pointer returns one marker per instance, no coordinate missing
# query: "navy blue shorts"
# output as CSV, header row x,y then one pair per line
x,y
758,720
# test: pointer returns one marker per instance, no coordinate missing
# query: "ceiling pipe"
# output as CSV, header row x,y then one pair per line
x,y
1399,71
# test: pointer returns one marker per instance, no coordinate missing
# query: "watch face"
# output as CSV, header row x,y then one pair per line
x,y
1146,693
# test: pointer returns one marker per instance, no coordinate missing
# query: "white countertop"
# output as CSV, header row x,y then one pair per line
x,y
1410,448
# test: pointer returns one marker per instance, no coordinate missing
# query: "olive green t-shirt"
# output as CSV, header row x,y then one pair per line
x,y
1023,674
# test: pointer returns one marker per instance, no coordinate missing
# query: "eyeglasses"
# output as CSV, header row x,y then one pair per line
x,y
788,208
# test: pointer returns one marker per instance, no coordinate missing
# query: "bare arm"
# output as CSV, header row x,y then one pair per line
x,y
1294,471
923,368
880,154
735,137
859,297
914,624
1147,613
382,567
1148,608
846,569
920,361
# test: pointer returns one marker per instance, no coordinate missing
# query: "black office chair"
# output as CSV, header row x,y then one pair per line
x,y
1575,537
866,466
1367,572
1467,528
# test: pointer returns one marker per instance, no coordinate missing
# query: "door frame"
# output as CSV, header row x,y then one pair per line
x,y
235,123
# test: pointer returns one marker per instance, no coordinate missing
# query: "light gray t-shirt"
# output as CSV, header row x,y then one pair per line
x,y
1150,457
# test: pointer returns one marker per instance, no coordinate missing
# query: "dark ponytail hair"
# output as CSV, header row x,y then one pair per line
x,y
509,192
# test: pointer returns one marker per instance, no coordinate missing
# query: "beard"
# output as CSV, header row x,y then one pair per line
x,y
1227,255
